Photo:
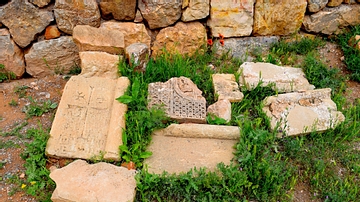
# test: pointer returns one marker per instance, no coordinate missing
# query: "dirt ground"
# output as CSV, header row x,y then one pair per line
x,y
51,87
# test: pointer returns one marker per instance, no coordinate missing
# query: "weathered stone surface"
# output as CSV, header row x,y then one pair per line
x,y
349,1
316,5
68,14
301,113
176,155
334,3
192,130
243,47
274,18
118,9
285,79
161,13
137,54
40,3
183,38
99,64
225,87
196,9
221,109
52,32
100,182
138,16
50,56
181,98
133,32
89,38
230,18
331,20
89,121
11,56
24,21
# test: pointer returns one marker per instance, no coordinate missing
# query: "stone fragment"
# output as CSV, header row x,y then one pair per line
x,y
40,3
225,87
180,148
118,9
100,182
349,1
133,32
355,42
181,98
138,16
52,32
331,20
334,3
183,38
196,10
316,5
283,79
99,64
221,109
160,14
89,121
274,18
11,56
137,54
302,113
68,14
24,21
52,56
89,38
243,48
230,18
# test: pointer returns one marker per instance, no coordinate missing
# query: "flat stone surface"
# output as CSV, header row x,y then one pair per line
x,y
100,182
302,113
89,38
221,109
285,79
89,121
181,98
99,64
225,87
231,18
195,10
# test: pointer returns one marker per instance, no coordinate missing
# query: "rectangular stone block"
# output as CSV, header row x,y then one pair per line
x,y
89,121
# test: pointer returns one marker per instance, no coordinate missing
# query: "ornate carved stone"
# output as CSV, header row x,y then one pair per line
x,y
181,98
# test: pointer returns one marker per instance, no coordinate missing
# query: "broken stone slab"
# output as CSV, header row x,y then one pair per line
x,y
137,54
221,109
89,38
226,88
99,64
100,182
302,112
195,10
89,121
181,99
284,79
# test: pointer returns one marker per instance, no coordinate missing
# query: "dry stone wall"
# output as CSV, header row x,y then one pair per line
x,y
179,26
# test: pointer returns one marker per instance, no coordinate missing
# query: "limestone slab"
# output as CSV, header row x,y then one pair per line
x,y
226,88
99,64
221,109
302,113
176,155
284,79
89,121
181,98
231,18
100,182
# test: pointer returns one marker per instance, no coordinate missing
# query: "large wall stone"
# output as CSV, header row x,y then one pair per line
x,y
274,18
331,20
68,14
10,54
316,5
195,10
24,21
50,56
118,9
183,38
40,3
160,14
229,18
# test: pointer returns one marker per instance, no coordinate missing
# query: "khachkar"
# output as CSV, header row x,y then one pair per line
x,y
89,121
181,98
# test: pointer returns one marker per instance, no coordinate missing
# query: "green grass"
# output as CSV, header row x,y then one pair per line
x,y
39,108
5,75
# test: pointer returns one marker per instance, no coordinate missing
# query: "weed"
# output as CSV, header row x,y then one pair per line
x,y
16,130
2,164
21,91
5,144
75,69
5,75
38,109
13,103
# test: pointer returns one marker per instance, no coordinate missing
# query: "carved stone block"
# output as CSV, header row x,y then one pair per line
x,y
181,99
